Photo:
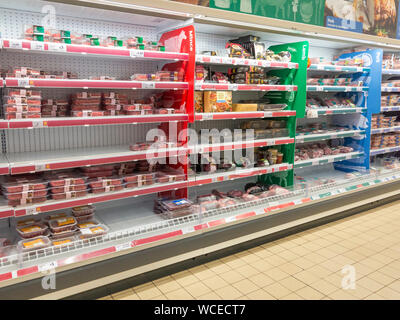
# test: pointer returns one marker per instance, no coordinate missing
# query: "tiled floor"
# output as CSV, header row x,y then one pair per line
x,y
307,265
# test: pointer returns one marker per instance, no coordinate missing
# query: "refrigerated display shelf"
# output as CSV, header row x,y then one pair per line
x,y
385,130
201,179
245,62
243,87
336,89
390,89
333,68
329,111
29,162
243,115
327,159
63,48
390,71
93,84
390,108
4,165
151,230
201,148
375,152
328,135
89,121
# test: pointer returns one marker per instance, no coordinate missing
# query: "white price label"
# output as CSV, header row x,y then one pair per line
x,y
315,162
57,47
47,266
207,116
319,88
15,44
214,59
31,211
333,136
36,45
312,113
40,167
23,82
273,204
232,86
226,60
320,67
266,63
86,231
37,124
240,61
123,246
148,85
197,86
137,53
187,230
230,219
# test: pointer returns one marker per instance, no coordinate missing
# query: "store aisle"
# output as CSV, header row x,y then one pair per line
x,y
307,265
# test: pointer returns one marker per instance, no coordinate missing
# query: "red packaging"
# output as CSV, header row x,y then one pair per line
x,y
85,95
21,115
69,195
25,195
88,113
101,182
23,183
14,203
12,108
107,189
63,189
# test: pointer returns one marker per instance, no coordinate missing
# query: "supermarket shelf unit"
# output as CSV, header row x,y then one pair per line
x,y
136,230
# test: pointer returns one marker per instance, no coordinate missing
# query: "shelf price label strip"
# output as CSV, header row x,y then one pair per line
x,y
246,62
93,84
15,168
125,246
95,50
244,115
243,87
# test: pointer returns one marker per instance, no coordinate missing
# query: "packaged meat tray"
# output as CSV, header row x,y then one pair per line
x,y
177,213
62,224
31,101
101,182
178,204
94,231
22,93
113,107
87,113
63,189
21,115
14,203
25,194
62,242
23,184
69,195
65,179
12,108
86,95
54,102
27,245
84,218
88,224
82,211
55,216
107,189
32,230
63,234
27,221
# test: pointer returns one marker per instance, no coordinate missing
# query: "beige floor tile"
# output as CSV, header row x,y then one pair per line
x,y
185,278
106,298
369,283
209,296
215,282
125,293
275,260
218,266
166,284
202,272
306,277
372,263
361,292
162,297
276,248
246,286
390,272
288,244
262,265
288,255
231,276
362,269
319,271
197,289
276,274
324,287
290,268
261,280
342,294
147,292
381,278
247,271
327,253
303,263
292,296
395,285
309,293
312,246
388,293
234,262
260,295
261,252
314,257
250,257
374,296
292,283
277,290
299,250
180,294
228,293
332,266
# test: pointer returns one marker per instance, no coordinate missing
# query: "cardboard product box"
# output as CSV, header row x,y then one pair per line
x,y
244,107
217,101
199,101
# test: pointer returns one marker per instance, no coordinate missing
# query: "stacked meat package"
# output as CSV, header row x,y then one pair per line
x,y
380,121
22,103
386,140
